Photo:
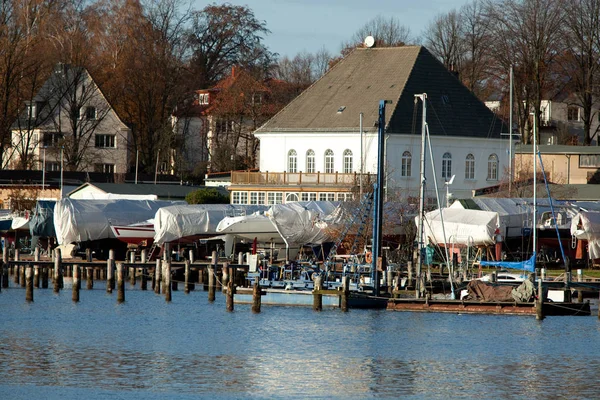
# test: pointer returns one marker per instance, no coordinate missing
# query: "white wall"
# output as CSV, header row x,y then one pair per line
x,y
275,148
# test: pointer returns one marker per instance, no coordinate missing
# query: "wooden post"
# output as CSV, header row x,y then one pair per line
x,y
29,284
211,283
346,292
191,256
144,279
36,268
4,266
76,283
22,273
225,276
580,291
17,271
539,305
256,296
89,278
144,256
186,284
88,254
317,296
230,289
390,280
45,277
157,277
120,284
110,264
132,278
56,278
109,272
167,279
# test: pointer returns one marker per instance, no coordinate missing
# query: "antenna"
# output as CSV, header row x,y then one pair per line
x,y
369,41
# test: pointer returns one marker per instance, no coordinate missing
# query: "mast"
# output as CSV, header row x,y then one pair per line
x,y
534,222
510,130
378,197
421,244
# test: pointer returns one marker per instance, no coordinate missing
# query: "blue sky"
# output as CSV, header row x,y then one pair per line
x,y
309,25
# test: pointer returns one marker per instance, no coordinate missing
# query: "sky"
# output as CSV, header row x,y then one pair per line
x,y
310,25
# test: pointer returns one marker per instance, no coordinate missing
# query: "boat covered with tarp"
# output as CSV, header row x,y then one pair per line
x,y
41,222
585,226
78,221
459,226
183,221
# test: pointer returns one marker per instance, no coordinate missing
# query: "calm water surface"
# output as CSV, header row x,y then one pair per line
x,y
146,348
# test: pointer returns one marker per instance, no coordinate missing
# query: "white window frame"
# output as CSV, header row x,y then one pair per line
x,y
274,198
238,197
348,161
329,161
292,161
406,170
447,165
470,167
310,161
492,173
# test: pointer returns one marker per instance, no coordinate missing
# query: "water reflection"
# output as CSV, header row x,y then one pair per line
x,y
190,347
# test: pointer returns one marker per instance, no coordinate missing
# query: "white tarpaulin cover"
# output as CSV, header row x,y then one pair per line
x,y
176,222
462,226
305,222
81,220
586,226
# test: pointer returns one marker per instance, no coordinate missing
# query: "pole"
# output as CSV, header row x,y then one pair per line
x,y
156,170
421,244
510,130
137,157
44,171
533,224
378,197
61,170
361,154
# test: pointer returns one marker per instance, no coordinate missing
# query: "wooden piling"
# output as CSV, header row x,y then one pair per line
x,y
156,278
57,276
230,289
539,305
45,277
120,284
580,291
144,279
191,256
225,276
144,256
345,296
28,284
256,297
390,280
186,283
132,277
110,265
4,274
17,271
317,296
89,278
76,277
211,283
36,268
167,279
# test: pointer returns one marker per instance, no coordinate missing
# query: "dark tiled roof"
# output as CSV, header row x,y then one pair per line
x,y
366,76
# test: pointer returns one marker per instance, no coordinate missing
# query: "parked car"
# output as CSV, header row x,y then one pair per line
x,y
504,276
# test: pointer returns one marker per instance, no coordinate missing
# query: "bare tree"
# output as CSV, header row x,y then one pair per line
x,y
387,32
476,38
580,60
443,39
528,36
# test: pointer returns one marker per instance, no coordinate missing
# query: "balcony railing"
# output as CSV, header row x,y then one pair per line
x,y
300,178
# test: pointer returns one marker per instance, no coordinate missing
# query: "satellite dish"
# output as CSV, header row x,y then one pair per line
x,y
369,41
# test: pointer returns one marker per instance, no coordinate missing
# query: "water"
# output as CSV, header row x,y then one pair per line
x,y
146,348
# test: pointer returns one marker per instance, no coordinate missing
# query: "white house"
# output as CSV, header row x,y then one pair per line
x,y
314,150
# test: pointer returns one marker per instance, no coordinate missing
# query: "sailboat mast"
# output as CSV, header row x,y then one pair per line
x,y
510,131
534,224
421,244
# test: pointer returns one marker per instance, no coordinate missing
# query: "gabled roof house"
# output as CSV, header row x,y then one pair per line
x,y
314,148
69,115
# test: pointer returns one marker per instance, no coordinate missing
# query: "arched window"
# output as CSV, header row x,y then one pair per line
x,y
292,161
470,167
406,164
347,161
328,161
310,162
291,197
492,174
447,165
